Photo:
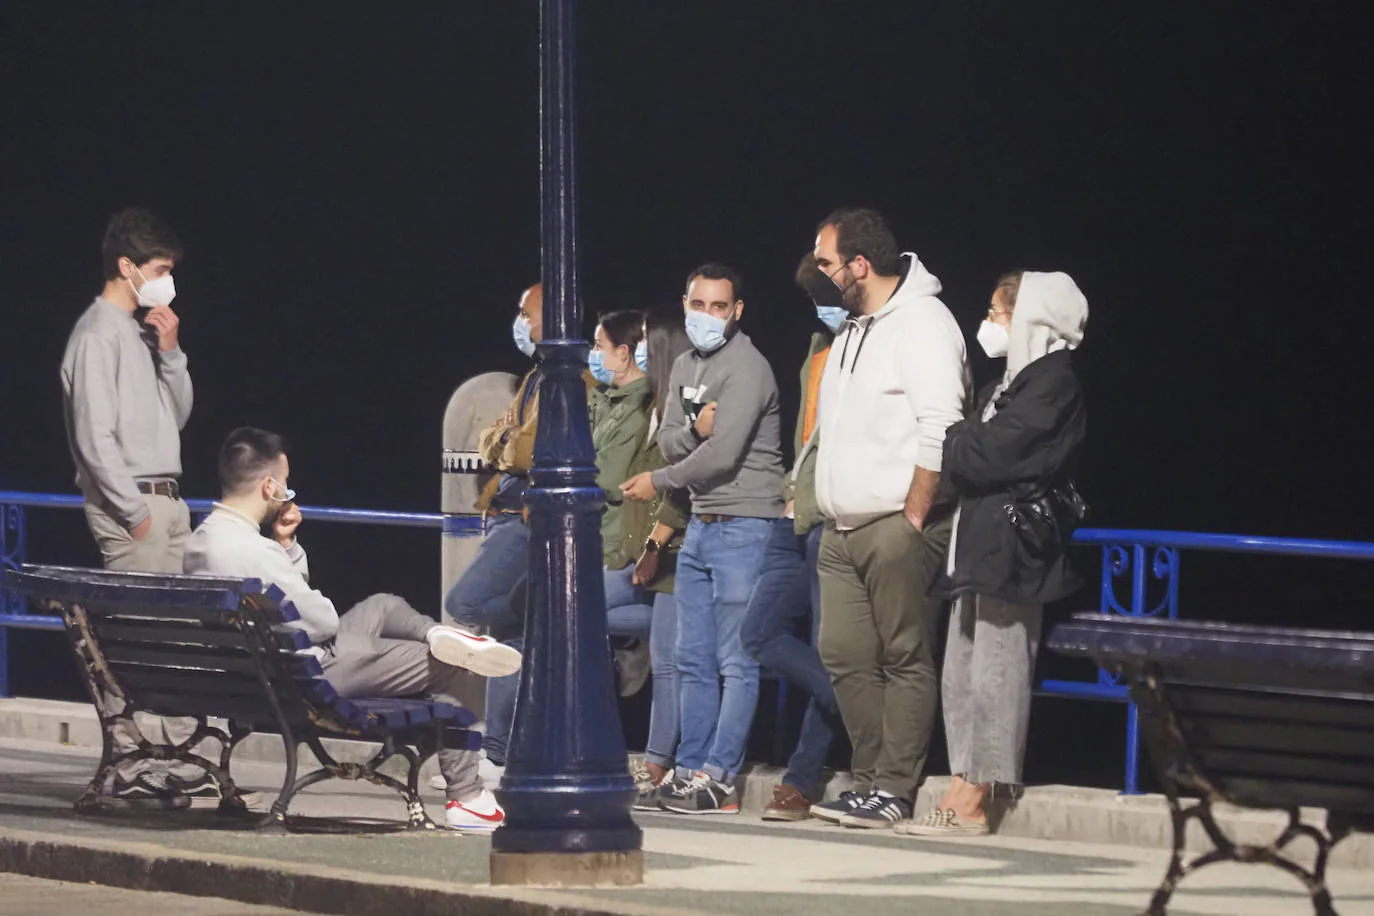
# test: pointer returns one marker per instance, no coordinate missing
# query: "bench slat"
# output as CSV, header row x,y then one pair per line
x,y
187,658
159,632
1225,733
1316,710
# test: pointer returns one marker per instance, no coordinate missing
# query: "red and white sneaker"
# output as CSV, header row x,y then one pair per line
x,y
478,654
476,815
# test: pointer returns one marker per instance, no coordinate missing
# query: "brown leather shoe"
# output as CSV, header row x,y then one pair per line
x,y
787,805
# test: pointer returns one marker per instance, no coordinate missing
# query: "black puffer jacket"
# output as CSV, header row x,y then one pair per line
x,y
1031,444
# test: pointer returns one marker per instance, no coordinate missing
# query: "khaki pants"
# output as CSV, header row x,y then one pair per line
x,y
876,640
159,552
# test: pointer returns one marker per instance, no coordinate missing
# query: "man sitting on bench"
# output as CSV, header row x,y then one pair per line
x,y
383,647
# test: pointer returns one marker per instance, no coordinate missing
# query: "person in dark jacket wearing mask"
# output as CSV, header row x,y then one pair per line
x,y
1011,467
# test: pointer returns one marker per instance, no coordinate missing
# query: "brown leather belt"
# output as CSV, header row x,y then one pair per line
x,y
169,488
706,518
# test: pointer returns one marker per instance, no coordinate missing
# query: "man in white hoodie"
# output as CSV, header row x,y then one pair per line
x,y
896,379
383,647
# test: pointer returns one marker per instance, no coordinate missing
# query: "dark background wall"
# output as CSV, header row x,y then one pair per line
x,y
358,193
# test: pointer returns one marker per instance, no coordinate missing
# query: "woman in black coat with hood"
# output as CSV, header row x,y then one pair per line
x,y
1010,466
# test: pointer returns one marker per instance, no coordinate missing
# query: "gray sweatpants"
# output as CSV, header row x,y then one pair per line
x,y
381,652
989,667
160,551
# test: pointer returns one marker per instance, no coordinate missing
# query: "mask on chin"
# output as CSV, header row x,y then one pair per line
x,y
828,299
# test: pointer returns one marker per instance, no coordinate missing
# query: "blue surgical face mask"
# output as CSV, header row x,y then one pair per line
x,y
596,362
642,355
706,331
521,332
832,316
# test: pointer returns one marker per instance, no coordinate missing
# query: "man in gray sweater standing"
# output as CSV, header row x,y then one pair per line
x,y
722,434
126,396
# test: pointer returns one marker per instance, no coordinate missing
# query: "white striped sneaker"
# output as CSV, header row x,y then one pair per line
x,y
478,654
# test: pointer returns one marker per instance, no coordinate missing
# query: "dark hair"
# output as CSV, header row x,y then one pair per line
x,y
245,457
623,329
806,270
668,340
864,232
1010,283
717,271
139,236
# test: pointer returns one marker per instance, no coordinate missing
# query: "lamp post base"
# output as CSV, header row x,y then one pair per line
x,y
568,869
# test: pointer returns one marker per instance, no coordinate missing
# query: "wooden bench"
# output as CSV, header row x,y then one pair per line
x,y
201,647
1253,716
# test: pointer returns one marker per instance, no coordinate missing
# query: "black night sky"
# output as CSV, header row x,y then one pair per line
x,y
357,189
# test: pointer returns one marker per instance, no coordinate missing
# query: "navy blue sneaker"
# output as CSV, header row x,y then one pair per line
x,y
834,810
879,811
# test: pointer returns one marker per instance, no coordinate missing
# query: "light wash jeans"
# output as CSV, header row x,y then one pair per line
x,y
989,669
716,570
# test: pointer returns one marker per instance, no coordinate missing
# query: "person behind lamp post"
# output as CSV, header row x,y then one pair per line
x,y
482,595
1011,466
619,414
896,379
785,607
721,434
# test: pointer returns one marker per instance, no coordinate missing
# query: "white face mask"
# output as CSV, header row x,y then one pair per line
x,y
288,494
154,292
994,339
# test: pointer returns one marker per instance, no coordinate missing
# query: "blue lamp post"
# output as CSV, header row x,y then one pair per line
x,y
567,789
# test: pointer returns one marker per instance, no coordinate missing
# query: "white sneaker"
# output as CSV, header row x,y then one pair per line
x,y
476,815
491,774
478,654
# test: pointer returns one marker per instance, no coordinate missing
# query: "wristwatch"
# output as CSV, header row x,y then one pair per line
x,y
652,546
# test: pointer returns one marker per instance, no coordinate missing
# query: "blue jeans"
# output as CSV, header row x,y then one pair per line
x,y
628,612
482,595
716,569
626,615
787,601
661,746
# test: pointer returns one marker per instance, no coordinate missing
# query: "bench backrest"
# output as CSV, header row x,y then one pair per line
x,y
1261,716
187,645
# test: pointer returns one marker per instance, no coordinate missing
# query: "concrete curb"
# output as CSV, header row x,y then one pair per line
x,y
1042,813
145,867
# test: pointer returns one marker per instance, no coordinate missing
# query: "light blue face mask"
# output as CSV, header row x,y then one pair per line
x,y
707,332
521,332
596,362
642,355
832,316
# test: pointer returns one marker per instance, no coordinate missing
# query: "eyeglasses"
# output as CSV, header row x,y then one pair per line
x,y
995,311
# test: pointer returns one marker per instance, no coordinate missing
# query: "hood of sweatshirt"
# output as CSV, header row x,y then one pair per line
x,y
1050,315
917,283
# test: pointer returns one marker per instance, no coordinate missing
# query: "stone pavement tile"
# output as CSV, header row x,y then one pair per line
x,y
719,865
25,896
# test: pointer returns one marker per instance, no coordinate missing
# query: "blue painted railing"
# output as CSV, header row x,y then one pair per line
x,y
1145,566
1139,577
14,547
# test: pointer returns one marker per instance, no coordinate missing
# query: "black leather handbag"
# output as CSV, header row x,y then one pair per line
x,y
1046,522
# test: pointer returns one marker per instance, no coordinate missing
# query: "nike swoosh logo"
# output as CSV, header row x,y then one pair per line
x,y
495,817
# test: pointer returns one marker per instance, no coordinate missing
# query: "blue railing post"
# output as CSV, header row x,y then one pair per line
x,y
567,788
13,548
